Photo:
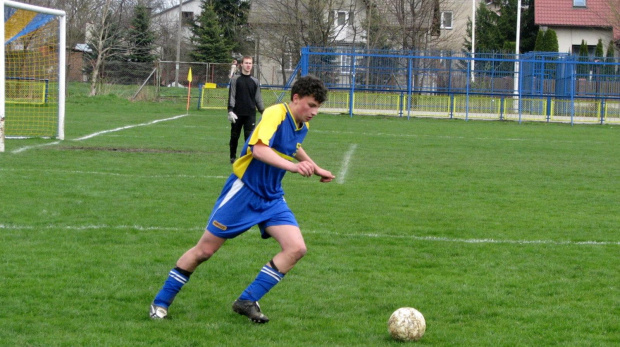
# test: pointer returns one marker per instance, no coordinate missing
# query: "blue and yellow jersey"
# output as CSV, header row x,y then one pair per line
x,y
277,129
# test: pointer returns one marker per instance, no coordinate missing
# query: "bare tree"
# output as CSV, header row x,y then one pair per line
x,y
82,12
105,37
285,26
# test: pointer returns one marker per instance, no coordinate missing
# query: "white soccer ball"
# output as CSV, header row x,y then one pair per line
x,y
407,324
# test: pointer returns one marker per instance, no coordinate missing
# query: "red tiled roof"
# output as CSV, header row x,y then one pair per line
x,y
562,13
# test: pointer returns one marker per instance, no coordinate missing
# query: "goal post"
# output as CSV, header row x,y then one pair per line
x,y
32,69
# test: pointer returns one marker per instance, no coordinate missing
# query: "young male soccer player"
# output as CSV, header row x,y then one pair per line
x,y
253,195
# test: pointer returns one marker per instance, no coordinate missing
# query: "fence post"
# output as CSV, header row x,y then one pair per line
x,y
200,86
451,106
352,85
409,85
603,111
548,111
502,104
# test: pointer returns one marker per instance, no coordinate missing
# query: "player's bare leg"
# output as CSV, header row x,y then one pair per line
x,y
204,249
293,246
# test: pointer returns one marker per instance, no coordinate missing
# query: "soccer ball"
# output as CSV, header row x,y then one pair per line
x,y
406,324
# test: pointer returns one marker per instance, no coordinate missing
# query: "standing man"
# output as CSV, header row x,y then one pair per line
x,y
253,195
244,98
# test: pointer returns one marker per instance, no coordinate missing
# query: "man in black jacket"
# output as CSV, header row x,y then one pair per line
x,y
244,98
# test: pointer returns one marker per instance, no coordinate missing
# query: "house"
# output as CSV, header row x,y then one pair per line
x,y
166,24
76,65
577,20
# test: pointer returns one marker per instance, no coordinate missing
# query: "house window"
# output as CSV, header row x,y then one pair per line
x,y
591,50
579,3
446,20
288,62
343,18
188,18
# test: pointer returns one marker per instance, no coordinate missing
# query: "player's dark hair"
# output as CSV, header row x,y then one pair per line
x,y
310,86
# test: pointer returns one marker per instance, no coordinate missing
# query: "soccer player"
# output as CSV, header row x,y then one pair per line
x,y
253,195
244,98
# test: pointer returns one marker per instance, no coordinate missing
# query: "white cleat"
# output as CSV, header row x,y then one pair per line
x,y
158,312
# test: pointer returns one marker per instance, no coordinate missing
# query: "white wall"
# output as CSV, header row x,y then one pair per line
x,y
567,37
170,18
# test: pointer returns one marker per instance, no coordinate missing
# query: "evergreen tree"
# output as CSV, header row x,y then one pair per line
x,y
539,46
210,45
610,51
609,58
550,41
488,35
233,19
507,22
141,38
598,52
583,69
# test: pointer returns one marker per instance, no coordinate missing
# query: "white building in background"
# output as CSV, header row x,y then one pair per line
x,y
166,24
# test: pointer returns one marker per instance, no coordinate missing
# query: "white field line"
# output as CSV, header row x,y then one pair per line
x,y
129,127
321,232
78,172
345,164
22,149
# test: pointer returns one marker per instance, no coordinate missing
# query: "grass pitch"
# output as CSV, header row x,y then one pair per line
x,y
501,234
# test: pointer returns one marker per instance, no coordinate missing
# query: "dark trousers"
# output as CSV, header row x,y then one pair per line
x,y
245,122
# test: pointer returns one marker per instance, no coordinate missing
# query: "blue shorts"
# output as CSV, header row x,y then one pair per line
x,y
238,209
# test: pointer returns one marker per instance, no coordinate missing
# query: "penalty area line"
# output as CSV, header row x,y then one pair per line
x,y
345,164
19,150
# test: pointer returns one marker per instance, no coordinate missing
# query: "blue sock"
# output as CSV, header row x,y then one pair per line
x,y
171,287
267,278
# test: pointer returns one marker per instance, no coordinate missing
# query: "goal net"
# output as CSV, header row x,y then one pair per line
x,y
32,85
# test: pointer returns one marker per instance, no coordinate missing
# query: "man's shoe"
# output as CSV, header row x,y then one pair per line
x,y
232,160
158,312
250,309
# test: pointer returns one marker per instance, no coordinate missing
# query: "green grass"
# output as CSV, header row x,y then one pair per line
x,y
501,234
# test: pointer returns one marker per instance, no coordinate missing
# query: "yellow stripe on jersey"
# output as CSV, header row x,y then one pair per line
x,y
271,119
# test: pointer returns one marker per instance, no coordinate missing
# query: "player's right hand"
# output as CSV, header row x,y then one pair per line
x,y
305,168
232,117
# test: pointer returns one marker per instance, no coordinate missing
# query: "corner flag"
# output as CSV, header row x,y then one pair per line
x,y
189,87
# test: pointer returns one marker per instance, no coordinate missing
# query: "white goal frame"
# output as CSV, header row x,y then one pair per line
x,y
62,43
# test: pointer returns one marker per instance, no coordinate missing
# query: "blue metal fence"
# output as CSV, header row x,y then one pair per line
x,y
532,86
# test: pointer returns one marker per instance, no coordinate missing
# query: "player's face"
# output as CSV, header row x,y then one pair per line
x,y
246,66
304,108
